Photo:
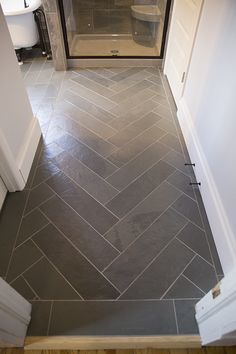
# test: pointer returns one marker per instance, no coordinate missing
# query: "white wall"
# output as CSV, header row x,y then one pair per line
x,y
19,130
207,114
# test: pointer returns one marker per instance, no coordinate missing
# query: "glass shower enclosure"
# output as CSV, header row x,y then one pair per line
x,y
114,28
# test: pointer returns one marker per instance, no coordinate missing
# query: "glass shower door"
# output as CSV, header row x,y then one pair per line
x,y
108,28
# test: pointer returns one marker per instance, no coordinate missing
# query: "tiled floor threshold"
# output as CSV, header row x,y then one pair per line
x,y
108,236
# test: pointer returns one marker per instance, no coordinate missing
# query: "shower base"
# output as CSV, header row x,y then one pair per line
x,y
105,46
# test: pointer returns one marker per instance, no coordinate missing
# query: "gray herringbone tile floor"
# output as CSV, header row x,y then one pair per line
x,y
110,237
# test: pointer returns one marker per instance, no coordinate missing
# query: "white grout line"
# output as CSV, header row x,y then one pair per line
x,y
19,275
90,114
178,212
38,205
140,235
183,270
22,276
176,319
119,150
183,275
49,319
52,264
19,226
140,153
128,213
211,265
66,115
79,251
134,157
57,195
32,235
152,261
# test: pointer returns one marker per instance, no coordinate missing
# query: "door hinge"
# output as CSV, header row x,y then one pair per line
x,y
183,76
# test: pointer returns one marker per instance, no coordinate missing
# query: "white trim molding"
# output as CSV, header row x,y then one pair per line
x,y
9,171
222,232
28,150
215,313
15,315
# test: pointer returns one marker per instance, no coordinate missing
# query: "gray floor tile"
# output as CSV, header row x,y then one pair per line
x,y
31,223
85,119
89,157
92,109
167,125
86,206
136,146
201,273
185,312
48,152
113,318
78,90
164,111
132,102
21,286
81,133
96,186
181,181
138,165
94,76
37,196
166,268
126,200
209,235
162,100
93,85
39,318
133,115
81,234
43,172
158,89
130,91
23,257
155,79
34,164
124,136
138,220
177,160
130,81
133,261
189,209
12,210
172,141
196,239
184,289
87,281
52,286
123,75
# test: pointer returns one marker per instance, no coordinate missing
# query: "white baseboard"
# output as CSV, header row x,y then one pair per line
x,y
26,155
224,239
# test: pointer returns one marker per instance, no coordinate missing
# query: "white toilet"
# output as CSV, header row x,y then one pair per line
x,y
145,21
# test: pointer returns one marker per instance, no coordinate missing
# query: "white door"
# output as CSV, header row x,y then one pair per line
x,y
184,22
3,192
